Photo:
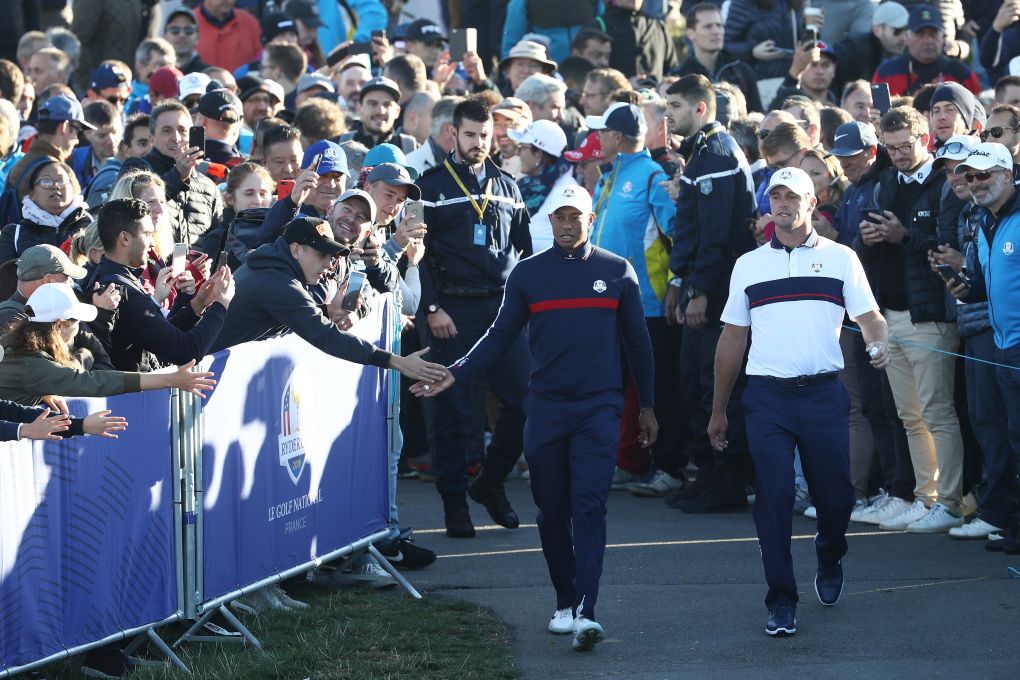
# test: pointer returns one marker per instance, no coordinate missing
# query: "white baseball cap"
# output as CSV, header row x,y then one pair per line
x,y
56,302
986,156
192,84
572,196
542,134
792,178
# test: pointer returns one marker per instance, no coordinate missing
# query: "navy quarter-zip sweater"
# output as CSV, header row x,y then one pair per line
x,y
577,306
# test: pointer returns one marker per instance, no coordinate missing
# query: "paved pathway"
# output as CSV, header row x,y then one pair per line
x,y
682,597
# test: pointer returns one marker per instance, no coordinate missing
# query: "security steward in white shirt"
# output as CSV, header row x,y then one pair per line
x,y
792,293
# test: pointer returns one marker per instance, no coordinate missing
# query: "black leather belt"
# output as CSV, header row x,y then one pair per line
x,y
801,380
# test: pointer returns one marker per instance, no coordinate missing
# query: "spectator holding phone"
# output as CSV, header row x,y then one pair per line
x,y
143,338
760,33
322,179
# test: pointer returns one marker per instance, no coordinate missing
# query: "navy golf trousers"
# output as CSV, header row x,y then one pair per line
x,y
571,447
814,418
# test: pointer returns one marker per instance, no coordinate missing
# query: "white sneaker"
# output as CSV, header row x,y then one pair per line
x,y
368,573
562,622
938,520
811,512
623,480
977,529
587,634
913,512
283,600
860,505
659,485
884,509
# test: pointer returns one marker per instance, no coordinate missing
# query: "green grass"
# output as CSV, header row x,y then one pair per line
x,y
349,633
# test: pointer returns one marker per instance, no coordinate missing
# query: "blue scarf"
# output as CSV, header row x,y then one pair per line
x,y
535,189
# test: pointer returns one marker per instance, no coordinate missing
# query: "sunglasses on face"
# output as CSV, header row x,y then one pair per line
x,y
186,30
997,132
762,134
898,31
116,100
980,176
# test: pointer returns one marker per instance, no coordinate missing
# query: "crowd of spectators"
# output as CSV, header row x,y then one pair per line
x,y
291,145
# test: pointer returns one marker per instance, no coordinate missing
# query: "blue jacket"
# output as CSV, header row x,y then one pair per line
x,y
713,215
453,255
578,306
371,16
998,251
518,23
634,219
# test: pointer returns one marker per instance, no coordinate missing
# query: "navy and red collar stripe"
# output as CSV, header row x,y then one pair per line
x,y
574,303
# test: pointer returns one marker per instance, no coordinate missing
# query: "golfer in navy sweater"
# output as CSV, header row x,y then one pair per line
x,y
577,300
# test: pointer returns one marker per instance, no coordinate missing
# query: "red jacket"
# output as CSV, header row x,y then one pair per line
x,y
235,44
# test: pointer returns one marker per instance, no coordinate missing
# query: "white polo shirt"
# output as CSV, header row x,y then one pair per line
x,y
794,302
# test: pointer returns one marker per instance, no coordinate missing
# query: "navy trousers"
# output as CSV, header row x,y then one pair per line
x,y
815,419
571,447
1009,383
999,491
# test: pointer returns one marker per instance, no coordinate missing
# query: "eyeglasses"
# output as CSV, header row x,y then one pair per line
x,y
902,148
952,148
50,183
116,100
980,176
782,164
186,30
997,132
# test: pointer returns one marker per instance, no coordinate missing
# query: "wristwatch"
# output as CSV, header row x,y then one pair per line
x,y
433,309
693,292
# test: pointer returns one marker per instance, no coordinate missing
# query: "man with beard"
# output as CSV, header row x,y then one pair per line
x,y
378,111
478,230
715,206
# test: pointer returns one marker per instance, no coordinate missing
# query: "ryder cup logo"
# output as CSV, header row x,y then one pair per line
x,y
1007,248
599,286
292,449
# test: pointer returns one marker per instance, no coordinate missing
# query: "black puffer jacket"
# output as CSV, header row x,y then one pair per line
x,y
196,206
17,238
926,293
748,25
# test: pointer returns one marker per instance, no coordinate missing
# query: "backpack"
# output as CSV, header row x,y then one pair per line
x,y
10,206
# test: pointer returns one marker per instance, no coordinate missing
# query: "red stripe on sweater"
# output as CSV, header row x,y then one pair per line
x,y
574,303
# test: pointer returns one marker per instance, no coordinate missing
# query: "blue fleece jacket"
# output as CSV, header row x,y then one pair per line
x,y
576,306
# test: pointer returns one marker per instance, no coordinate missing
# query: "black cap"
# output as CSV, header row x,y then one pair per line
x,y
313,232
275,23
307,11
426,31
221,105
249,85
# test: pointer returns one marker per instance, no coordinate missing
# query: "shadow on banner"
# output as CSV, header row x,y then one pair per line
x,y
87,543
294,457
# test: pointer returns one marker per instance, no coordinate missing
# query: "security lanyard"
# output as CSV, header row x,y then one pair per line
x,y
474,204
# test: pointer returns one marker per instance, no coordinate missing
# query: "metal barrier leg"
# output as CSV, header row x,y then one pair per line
x,y
385,564
229,616
245,634
150,635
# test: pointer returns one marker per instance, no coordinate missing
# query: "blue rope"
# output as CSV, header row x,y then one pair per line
x,y
910,343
